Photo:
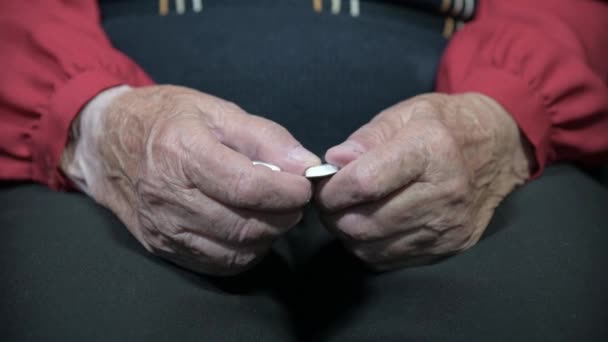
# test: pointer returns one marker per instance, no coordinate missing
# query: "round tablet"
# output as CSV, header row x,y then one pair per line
x,y
320,171
268,165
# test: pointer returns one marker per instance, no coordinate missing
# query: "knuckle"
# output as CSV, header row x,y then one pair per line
x,y
373,258
158,244
457,189
230,106
358,234
358,227
183,239
365,182
246,190
166,136
436,135
236,261
152,207
167,151
272,129
179,234
440,135
362,254
424,105
155,247
219,110
146,200
374,132
215,218
453,239
465,240
466,244
150,239
253,232
148,192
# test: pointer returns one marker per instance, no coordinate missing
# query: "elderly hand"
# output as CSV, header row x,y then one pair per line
x,y
422,179
175,165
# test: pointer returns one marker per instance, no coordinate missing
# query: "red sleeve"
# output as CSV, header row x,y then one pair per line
x,y
545,62
54,57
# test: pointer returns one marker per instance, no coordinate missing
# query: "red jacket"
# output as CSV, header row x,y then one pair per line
x,y
545,61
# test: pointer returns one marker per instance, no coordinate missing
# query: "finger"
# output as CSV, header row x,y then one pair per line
x,y
385,219
262,139
257,232
400,233
376,173
419,247
205,256
385,253
228,176
192,211
380,130
371,135
244,228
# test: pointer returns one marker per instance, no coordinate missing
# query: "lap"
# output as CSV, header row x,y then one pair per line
x,y
70,270
538,274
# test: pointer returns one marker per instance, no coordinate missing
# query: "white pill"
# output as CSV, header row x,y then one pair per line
x,y
320,171
268,165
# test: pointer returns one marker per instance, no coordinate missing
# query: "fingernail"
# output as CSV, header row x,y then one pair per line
x,y
302,155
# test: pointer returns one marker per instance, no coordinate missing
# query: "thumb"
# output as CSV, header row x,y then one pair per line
x,y
375,133
264,140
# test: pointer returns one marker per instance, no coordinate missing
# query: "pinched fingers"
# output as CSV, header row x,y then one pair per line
x,y
404,202
232,179
194,156
256,137
375,174
264,140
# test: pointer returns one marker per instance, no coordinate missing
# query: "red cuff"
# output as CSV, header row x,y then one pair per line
x,y
52,134
525,104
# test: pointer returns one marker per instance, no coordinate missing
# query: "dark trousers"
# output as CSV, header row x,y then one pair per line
x,y
70,271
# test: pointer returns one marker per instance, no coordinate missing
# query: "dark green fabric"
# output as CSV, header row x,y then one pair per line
x,y
69,271
600,174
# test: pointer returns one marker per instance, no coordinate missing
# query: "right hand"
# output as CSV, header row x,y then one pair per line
x,y
175,165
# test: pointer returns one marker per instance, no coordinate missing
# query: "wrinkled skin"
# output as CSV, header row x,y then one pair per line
x,y
422,179
175,166
419,182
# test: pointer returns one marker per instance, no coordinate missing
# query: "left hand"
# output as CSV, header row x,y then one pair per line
x,y
422,179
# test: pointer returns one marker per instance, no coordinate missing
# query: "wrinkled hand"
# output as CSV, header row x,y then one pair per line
x,y
422,179
175,166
